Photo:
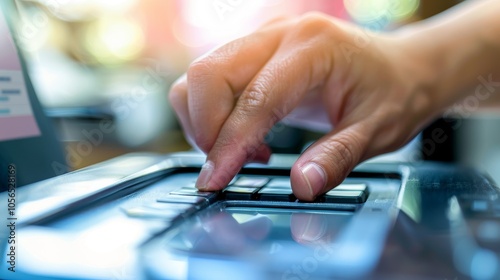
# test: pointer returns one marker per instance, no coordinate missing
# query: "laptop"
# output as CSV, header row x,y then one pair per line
x,y
139,216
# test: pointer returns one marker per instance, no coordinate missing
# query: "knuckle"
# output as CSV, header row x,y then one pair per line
x,y
239,142
254,100
277,20
314,24
177,94
314,18
199,70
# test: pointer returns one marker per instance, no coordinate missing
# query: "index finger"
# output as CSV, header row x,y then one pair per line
x,y
215,80
300,65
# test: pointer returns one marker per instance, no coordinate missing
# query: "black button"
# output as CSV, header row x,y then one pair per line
x,y
192,191
240,193
283,183
255,182
351,187
276,194
335,196
192,184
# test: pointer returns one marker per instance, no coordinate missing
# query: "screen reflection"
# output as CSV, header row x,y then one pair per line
x,y
238,231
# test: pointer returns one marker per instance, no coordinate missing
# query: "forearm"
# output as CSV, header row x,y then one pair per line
x,y
458,53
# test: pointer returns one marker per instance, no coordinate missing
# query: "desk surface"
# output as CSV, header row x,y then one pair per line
x,y
168,142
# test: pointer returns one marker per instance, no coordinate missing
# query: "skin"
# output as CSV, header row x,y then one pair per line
x,y
377,91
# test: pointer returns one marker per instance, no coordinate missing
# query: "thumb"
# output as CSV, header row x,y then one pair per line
x,y
327,162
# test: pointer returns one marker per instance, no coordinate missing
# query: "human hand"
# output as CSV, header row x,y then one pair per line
x,y
370,87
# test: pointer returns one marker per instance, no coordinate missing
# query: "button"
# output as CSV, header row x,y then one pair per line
x,y
240,193
192,191
198,201
151,213
161,210
351,187
233,180
255,182
283,183
192,184
276,194
335,196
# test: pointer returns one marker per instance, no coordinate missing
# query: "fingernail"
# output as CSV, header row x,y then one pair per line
x,y
315,177
205,174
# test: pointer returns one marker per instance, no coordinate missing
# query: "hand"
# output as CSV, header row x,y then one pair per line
x,y
370,88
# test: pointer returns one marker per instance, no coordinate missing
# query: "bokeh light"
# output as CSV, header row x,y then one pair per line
x,y
114,40
202,25
372,10
78,10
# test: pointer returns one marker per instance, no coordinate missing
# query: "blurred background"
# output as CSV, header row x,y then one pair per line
x,y
102,69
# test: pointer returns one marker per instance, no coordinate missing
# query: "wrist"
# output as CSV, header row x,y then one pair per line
x,y
419,73
455,53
